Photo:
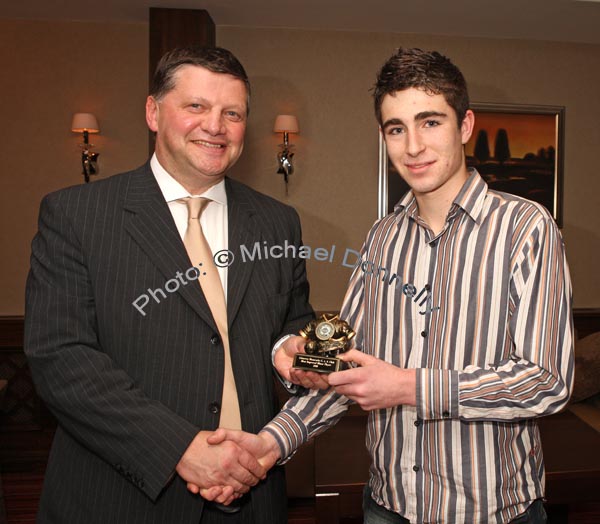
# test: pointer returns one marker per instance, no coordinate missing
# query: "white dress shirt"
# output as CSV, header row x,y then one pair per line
x,y
214,225
213,219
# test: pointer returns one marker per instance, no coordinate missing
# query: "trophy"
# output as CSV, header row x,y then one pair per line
x,y
325,338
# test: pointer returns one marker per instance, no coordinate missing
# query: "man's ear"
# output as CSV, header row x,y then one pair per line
x,y
466,128
152,113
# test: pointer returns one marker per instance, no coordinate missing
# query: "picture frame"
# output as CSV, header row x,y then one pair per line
x,y
526,157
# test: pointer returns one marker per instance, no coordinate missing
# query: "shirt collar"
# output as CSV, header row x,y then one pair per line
x,y
470,198
173,190
472,195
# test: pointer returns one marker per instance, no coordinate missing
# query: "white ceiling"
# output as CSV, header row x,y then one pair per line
x,y
552,20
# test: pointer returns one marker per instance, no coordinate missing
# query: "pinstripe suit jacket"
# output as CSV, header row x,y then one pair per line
x,y
131,391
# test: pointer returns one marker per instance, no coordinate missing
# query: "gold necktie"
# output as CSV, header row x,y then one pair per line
x,y
200,253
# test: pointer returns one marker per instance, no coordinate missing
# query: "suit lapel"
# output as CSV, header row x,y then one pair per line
x,y
242,231
151,225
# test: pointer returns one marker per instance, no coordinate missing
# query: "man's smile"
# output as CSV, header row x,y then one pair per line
x,y
208,144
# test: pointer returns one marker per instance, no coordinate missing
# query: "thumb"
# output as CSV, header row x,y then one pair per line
x,y
220,435
294,345
357,357
233,435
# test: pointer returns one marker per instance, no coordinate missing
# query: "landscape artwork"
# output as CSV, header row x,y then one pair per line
x,y
516,149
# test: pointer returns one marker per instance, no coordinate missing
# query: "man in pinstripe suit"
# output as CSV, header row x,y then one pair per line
x,y
121,341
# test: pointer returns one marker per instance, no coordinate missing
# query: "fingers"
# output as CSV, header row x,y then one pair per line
x,y
293,345
240,465
221,494
242,459
240,452
227,496
207,465
194,489
348,376
309,379
284,356
251,465
356,356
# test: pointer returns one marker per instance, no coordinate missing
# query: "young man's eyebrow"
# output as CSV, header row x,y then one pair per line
x,y
392,122
423,115
428,114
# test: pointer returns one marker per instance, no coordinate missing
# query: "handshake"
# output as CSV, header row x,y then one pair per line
x,y
223,465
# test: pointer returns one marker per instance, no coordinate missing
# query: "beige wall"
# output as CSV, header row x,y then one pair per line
x,y
52,70
322,77
325,77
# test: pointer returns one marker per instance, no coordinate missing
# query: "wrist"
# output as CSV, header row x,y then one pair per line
x,y
273,452
278,345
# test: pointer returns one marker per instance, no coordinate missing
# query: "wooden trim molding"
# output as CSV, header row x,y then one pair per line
x,y
587,321
11,331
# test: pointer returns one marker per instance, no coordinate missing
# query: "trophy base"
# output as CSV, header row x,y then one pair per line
x,y
317,363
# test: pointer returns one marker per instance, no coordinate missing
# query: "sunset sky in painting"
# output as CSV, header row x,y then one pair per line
x,y
526,133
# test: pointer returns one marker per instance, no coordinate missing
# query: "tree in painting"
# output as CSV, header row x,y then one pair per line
x,y
482,148
501,148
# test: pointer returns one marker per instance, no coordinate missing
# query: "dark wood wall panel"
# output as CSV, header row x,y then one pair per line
x,y
171,28
11,331
587,321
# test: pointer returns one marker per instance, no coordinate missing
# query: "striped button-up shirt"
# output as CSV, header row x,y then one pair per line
x,y
482,310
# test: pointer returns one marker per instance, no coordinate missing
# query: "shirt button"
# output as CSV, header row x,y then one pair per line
x,y
423,334
433,244
214,407
416,468
215,340
417,423
445,414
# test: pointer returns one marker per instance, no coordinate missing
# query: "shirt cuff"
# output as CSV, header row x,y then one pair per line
x,y
437,394
290,433
290,387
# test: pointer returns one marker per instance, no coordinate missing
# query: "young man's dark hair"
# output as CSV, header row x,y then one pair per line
x,y
427,70
215,59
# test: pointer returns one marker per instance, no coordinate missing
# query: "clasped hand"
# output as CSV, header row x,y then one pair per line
x,y
223,465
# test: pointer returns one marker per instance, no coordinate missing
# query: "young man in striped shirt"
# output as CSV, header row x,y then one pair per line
x,y
453,383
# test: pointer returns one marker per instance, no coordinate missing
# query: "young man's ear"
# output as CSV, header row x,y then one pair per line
x,y
466,128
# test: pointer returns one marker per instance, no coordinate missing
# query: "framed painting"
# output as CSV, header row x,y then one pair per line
x,y
517,149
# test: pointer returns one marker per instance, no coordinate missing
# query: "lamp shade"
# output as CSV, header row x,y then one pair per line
x,y
286,123
84,122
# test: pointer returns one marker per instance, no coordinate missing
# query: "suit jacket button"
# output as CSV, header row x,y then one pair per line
x,y
215,340
214,407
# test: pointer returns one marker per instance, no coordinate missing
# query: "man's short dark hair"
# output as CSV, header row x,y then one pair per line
x,y
215,59
427,70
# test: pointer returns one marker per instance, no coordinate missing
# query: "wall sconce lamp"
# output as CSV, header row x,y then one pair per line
x,y
285,124
86,123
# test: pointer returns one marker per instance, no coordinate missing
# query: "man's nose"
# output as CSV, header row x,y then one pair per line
x,y
415,143
213,122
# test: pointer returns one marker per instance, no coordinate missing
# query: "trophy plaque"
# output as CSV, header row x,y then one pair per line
x,y
325,338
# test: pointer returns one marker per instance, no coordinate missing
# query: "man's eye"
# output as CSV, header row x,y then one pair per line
x,y
234,116
395,130
432,123
196,106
